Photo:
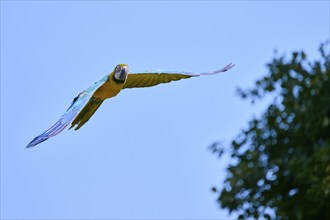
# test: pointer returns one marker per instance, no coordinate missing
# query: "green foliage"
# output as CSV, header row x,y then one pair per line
x,y
282,161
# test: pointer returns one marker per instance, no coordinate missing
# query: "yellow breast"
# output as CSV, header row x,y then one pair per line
x,y
109,89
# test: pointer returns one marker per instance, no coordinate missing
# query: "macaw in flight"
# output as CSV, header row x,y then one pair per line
x,y
87,102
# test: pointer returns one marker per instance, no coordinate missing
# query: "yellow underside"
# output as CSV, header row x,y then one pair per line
x,y
109,89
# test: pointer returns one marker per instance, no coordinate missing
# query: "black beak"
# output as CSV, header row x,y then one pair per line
x,y
123,74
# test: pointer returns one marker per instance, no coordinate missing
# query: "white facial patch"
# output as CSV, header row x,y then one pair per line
x,y
121,73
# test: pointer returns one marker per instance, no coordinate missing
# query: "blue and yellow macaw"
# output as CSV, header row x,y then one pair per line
x,y
87,102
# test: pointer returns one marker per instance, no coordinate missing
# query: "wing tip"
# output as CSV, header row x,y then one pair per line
x,y
35,142
226,68
230,66
28,146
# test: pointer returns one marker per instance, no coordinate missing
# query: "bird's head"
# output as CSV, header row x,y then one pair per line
x,y
120,72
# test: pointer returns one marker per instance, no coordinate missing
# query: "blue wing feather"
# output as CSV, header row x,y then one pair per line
x,y
77,104
190,73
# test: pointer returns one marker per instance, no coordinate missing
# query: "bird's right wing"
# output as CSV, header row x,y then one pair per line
x,y
155,77
71,113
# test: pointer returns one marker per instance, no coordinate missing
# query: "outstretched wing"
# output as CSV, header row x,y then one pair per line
x,y
154,77
71,113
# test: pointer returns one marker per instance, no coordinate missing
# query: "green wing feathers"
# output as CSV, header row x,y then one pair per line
x,y
140,80
86,113
148,79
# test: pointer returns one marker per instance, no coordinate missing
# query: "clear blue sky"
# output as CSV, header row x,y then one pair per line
x,y
144,153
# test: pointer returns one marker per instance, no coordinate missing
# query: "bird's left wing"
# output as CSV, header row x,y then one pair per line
x,y
71,113
155,77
